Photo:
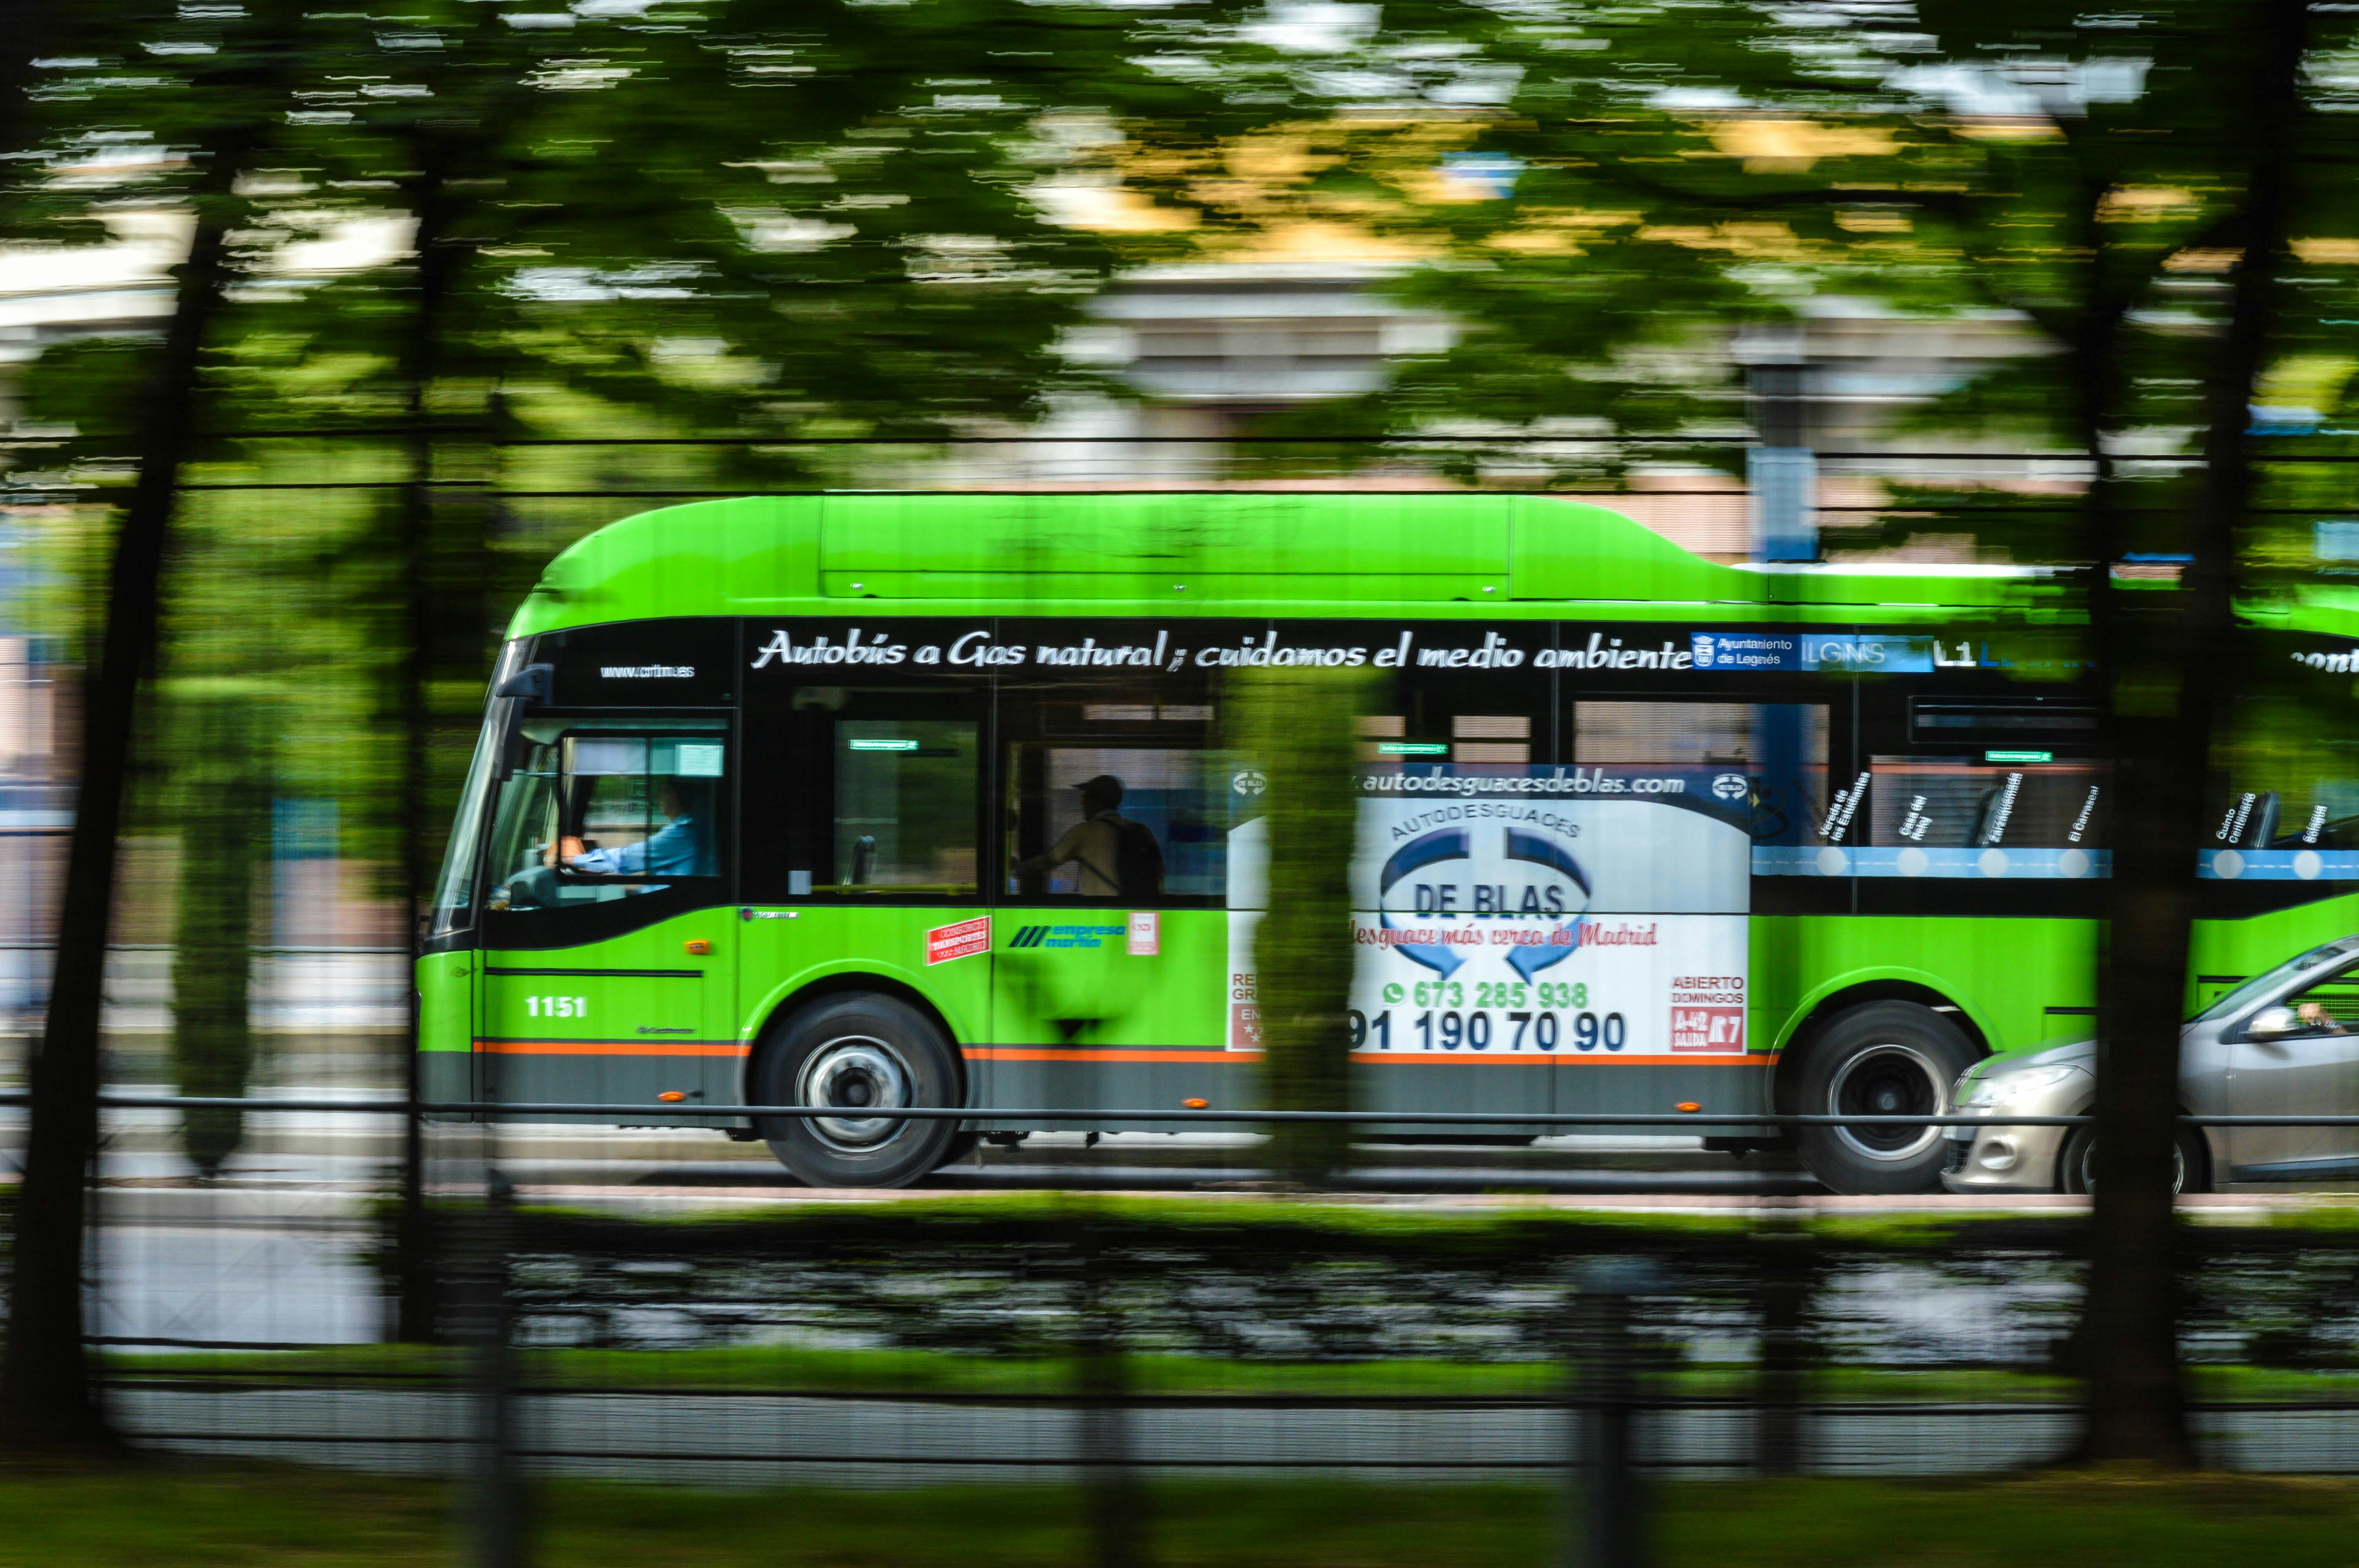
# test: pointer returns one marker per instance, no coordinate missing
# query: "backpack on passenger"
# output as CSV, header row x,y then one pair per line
x,y
1137,860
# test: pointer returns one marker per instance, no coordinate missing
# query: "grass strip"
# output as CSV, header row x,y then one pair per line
x,y
887,1373
300,1519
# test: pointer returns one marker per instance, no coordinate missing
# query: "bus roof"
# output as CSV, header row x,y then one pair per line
x,y
1344,553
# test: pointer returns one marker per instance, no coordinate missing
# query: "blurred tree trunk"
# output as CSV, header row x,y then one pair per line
x,y
439,259
48,1401
27,28
2167,654
1297,727
221,798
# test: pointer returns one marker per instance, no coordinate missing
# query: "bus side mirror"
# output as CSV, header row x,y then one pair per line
x,y
2272,1023
533,683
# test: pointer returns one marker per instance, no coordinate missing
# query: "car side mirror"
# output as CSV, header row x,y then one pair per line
x,y
2272,1023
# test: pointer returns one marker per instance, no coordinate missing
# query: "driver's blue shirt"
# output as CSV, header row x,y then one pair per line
x,y
677,848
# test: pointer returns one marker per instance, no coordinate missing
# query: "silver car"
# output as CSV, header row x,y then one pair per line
x,y
2283,1043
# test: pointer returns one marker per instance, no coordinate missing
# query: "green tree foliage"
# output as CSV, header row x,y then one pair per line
x,y
1296,727
223,733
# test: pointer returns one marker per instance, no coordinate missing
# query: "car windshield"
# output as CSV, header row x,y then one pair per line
x,y
2260,985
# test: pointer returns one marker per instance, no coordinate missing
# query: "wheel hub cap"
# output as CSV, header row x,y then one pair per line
x,y
1889,1080
856,1074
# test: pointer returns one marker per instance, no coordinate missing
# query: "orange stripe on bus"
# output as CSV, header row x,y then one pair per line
x,y
1085,1054
1213,1054
1088,1053
1460,1058
611,1047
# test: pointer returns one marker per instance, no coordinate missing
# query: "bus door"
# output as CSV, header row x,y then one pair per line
x,y
1656,1006
609,951
1113,940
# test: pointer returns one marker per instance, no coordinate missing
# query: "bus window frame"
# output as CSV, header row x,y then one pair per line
x,y
671,897
806,807
721,849
1007,796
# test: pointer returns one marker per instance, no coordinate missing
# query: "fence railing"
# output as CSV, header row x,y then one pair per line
x,y
1105,1344
505,1109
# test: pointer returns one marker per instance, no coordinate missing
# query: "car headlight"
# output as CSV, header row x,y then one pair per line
x,y
2010,1089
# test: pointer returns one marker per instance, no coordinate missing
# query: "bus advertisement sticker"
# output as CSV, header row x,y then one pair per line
x,y
1599,909
1245,1006
961,939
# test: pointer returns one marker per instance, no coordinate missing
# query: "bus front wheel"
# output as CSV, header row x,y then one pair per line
x,y
867,1055
1883,1058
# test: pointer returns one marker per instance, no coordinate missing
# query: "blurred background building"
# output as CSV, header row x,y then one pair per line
x,y
1203,354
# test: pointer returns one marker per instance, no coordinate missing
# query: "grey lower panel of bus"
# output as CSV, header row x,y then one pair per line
x,y
1081,1081
633,1085
1232,1081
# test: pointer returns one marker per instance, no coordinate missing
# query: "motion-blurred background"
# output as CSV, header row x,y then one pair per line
x,y
1913,282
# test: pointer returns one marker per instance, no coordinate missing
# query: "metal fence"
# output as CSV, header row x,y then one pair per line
x,y
1112,1345
903,1338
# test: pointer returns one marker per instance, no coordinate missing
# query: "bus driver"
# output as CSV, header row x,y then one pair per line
x,y
681,847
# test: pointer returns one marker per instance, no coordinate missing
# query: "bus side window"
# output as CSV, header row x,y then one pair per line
x,y
1781,748
1113,793
904,805
524,827
642,806
1955,803
593,812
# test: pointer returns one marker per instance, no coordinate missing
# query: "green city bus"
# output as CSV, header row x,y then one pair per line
x,y
866,801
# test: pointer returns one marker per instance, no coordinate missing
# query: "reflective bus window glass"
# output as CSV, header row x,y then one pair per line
x,y
591,813
1072,808
454,899
905,806
523,825
1112,788
1781,747
645,805
1945,802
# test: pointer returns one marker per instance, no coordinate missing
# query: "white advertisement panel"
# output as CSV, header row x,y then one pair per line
x,y
1563,909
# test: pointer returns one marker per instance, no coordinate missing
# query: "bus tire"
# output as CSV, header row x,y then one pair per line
x,y
1880,1058
857,1051
2076,1166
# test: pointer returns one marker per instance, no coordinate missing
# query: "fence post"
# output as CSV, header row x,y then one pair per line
x,y
1114,1503
496,1510
1605,1524
1786,1279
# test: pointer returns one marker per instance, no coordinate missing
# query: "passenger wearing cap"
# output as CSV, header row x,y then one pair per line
x,y
1094,843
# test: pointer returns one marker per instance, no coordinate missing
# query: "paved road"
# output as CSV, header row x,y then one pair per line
x,y
278,1255
719,1439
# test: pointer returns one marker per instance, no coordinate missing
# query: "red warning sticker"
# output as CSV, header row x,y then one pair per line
x,y
1707,1029
962,940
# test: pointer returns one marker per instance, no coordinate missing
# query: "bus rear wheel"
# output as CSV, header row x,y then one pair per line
x,y
1883,1058
868,1056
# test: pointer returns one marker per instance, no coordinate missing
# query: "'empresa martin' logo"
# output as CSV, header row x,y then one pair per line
x,y
1067,935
